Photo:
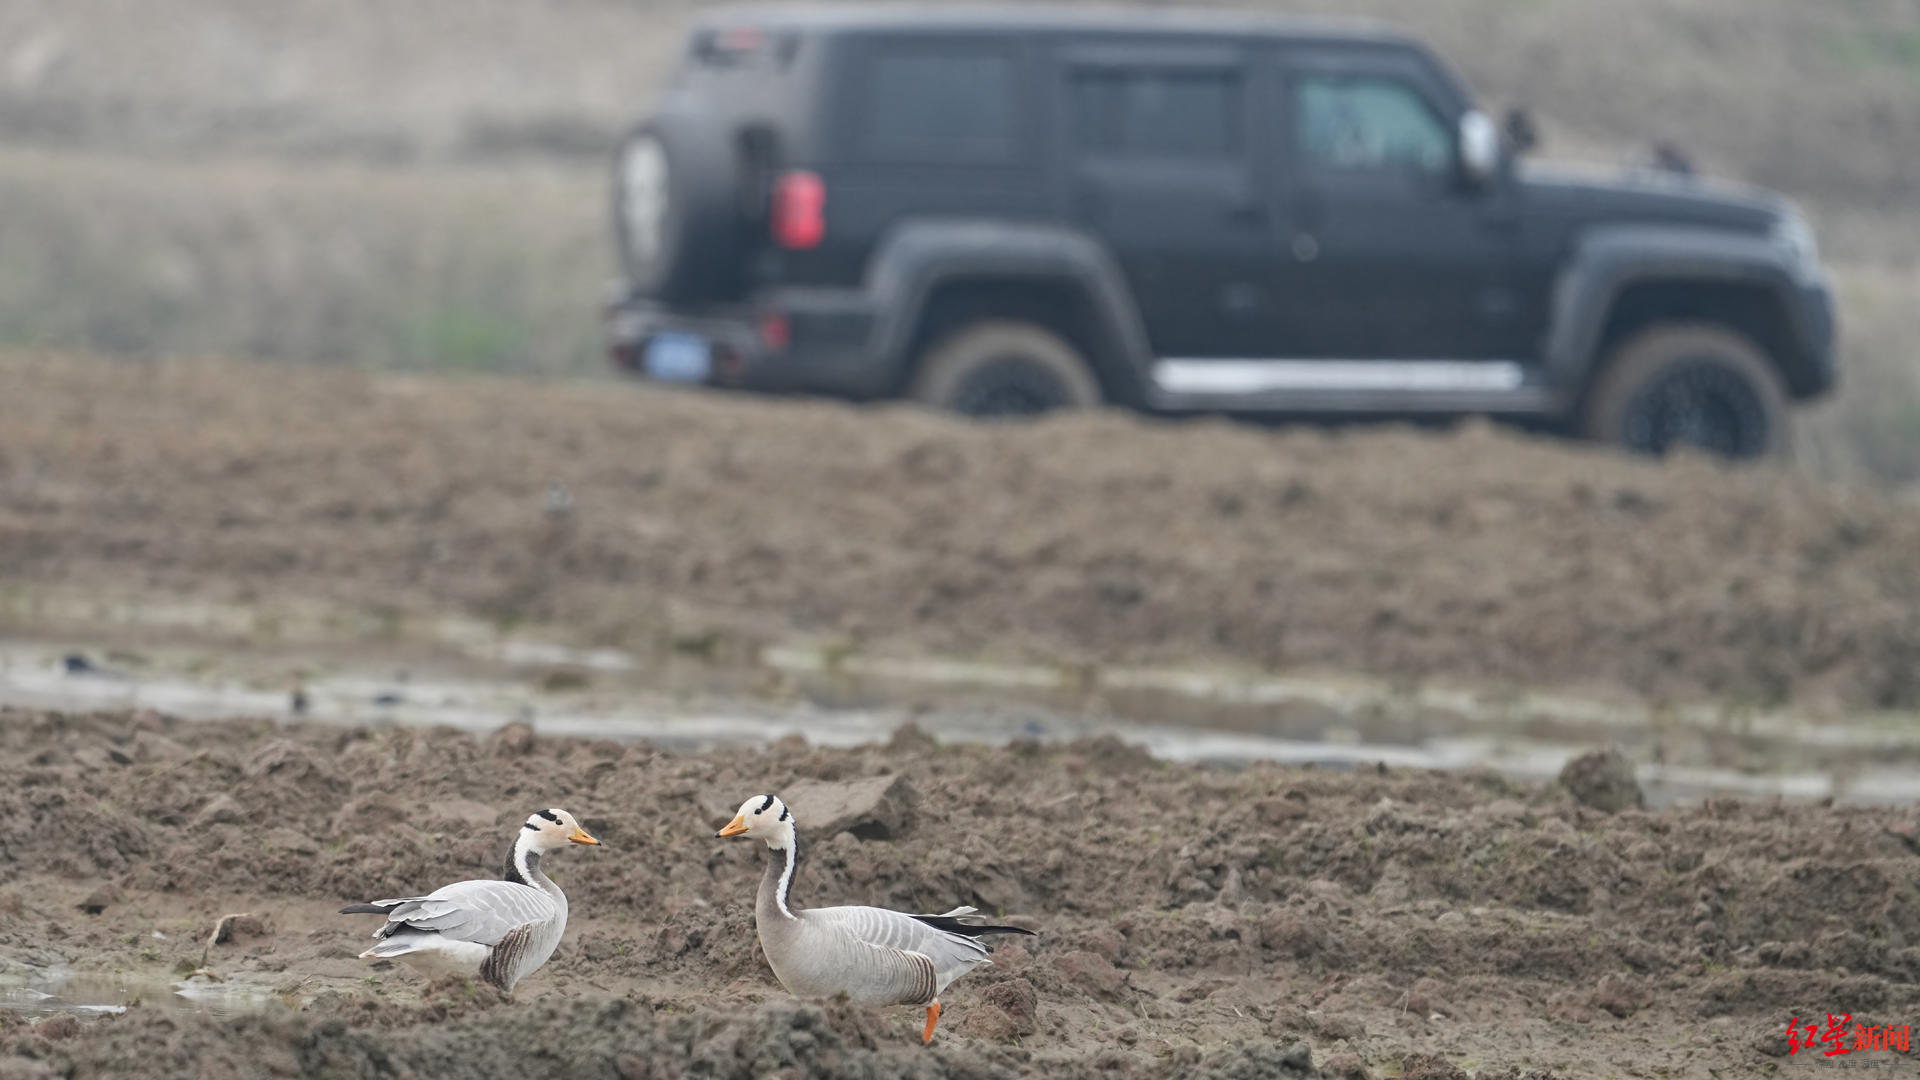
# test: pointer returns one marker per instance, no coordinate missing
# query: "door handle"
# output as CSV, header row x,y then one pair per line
x,y
1240,299
1247,214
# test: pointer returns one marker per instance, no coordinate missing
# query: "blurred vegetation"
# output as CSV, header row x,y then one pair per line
x,y
422,183
474,269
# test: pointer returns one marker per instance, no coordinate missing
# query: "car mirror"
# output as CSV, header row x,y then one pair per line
x,y
1479,147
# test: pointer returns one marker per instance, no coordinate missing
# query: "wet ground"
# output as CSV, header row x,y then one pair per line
x,y
473,681
1193,921
1279,740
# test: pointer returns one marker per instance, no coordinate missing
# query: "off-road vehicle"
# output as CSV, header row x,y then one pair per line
x,y
1008,210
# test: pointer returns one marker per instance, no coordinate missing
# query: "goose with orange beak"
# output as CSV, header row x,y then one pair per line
x,y
872,955
500,931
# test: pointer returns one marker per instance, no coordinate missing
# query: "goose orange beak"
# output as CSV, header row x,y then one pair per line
x,y
580,837
734,828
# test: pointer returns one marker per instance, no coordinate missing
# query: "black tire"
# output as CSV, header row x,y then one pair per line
x,y
1690,384
1006,370
677,203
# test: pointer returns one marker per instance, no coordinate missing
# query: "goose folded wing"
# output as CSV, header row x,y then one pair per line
x,y
897,930
483,912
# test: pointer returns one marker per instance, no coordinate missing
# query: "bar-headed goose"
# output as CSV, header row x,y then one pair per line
x,y
501,931
872,955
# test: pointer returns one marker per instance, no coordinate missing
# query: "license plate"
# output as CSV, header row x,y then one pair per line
x,y
677,358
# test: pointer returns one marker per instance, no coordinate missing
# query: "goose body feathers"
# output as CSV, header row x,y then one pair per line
x,y
875,956
500,931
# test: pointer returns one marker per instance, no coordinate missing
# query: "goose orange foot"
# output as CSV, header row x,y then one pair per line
x,y
933,1017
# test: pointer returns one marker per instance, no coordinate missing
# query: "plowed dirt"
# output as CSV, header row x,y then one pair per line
x,y
1191,922
648,519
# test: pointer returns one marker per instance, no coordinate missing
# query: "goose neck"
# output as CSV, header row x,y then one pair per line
x,y
777,885
523,866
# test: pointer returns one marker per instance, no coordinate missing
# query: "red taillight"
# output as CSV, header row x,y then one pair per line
x,y
775,332
799,210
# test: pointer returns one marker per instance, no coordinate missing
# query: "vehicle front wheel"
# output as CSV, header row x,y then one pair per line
x,y
1689,384
1006,370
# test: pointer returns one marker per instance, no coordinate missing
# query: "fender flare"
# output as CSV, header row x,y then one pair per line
x,y
914,260
1607,260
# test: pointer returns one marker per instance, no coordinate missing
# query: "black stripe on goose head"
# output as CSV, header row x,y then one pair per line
x,y
550,815
765,806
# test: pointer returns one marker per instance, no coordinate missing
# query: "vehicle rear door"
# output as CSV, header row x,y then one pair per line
x,y
1160,168
926,125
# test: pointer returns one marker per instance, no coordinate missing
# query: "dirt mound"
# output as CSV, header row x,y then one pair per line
x,y
1191,921
700,524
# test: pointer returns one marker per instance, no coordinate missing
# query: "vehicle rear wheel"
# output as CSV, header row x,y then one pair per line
x,y
1004,369
1689,384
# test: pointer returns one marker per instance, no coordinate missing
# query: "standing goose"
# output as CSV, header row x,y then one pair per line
x,y
501,931
872,955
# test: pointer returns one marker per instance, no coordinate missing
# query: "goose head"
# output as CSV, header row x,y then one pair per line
x,y
551,830
763,817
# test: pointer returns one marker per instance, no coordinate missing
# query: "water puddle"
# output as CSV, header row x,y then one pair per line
x,y
1176,714
37,993
1509,709
294,625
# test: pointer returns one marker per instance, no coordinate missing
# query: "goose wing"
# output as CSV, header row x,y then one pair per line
x,y
898,930
483,912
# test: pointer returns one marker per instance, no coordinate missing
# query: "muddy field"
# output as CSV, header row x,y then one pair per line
x,y
1230,922
223,533
675,524
1264,922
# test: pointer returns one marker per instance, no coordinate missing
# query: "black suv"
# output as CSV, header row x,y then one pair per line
x,y
1007,210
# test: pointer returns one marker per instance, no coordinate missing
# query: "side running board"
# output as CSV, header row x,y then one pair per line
x,y
1349,386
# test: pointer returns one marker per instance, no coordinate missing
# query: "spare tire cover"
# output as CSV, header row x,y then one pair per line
x,y
676,208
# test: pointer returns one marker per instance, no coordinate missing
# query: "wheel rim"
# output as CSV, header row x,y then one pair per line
x,y
1010,387
1698,403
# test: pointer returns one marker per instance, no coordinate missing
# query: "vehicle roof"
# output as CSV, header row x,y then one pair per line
x,y
1032,18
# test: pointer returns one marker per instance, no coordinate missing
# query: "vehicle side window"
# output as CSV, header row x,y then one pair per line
x,y
1368,123
1172,114
940,104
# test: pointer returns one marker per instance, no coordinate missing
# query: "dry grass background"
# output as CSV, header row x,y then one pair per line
x,y
421,183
